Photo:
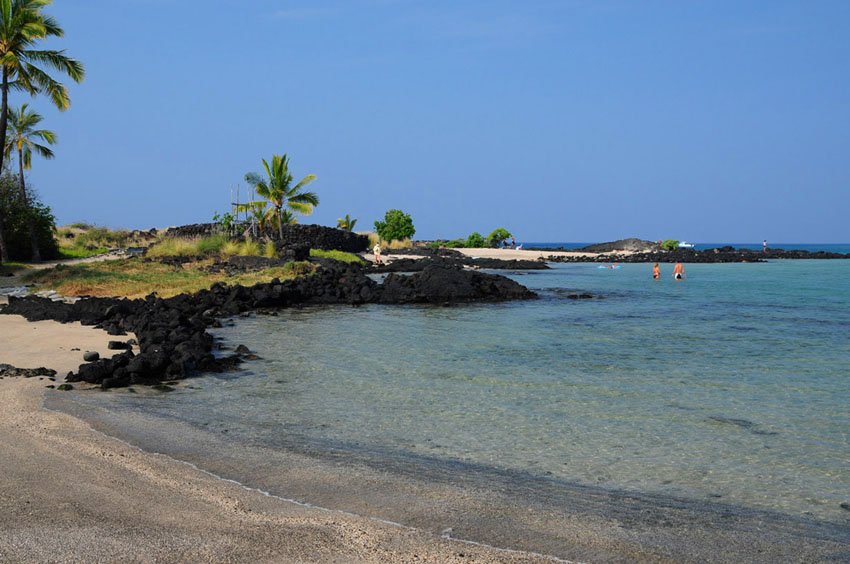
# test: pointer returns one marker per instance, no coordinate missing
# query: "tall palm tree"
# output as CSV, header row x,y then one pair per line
x,y
278,189
346,223
22,25
22,137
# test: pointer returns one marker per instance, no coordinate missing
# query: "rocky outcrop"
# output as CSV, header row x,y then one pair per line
x,y
418,265
294,236
9,371
173,342
439,283
630,245
718,255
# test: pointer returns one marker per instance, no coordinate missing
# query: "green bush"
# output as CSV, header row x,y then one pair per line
x,y
341,256
456,244
16,222
498,236
670,244
396,225
475,240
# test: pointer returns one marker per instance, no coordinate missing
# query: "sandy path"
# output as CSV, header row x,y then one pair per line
x,y
69,493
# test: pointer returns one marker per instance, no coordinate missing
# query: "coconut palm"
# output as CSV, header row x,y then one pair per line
x,y
346,223
285,197
22,137
22,25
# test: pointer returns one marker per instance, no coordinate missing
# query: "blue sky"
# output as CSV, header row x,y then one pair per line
x,y
571,120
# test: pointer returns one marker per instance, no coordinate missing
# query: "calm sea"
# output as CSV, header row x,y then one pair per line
x,y
811,247
731,386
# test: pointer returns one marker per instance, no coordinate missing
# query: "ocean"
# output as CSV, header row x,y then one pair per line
x,y
728,389
810,247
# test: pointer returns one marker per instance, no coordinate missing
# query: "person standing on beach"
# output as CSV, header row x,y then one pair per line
x,y
656,272
678,271
377,251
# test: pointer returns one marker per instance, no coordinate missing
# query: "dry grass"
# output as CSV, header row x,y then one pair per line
x,y
134,278
393,245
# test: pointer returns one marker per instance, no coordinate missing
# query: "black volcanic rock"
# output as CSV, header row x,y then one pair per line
x,y
631,245
418,265
171,333
448,284
9,371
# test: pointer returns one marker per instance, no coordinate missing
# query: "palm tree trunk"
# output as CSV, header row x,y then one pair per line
x,y
36,253
4,252
280,224
4,118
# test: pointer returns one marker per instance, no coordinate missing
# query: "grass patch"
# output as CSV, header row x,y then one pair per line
x,y
175,247
80,252
219,245
8,268
394,245
135,278
82,240
341,256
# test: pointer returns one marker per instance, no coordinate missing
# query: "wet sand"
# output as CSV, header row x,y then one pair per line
x,y
70,493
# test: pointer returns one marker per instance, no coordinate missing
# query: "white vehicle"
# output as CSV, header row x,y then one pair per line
x,y
685,245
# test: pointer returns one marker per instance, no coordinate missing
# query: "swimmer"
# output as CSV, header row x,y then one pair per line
x,y
656,272
678,271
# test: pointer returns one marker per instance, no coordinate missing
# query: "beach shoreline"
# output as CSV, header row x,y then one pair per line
x,y
72,493
186,507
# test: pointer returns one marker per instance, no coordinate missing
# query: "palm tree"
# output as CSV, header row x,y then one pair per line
x,y
346,223
22,137
22,25
283,196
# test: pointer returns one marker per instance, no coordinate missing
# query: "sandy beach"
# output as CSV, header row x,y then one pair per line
x,y
489,253
69,493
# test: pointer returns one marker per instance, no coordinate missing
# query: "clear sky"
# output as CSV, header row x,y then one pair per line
x,y
561,120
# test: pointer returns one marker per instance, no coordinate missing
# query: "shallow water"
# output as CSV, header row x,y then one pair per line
x,y
729,387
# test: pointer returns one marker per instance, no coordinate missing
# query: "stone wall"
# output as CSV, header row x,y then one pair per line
x,y
314,236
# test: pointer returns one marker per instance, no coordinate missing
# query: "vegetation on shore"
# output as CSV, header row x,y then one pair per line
x,y
136,278
341,256
392,245
23,217
282,198
396,226
495,239
83,240
22,26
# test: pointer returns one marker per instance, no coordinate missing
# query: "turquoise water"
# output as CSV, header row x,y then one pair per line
x,y
843,248
731,386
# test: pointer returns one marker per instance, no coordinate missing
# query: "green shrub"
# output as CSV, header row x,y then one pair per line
x,y
498,236
17,218
670,244
396,225
456,244
341,256
475,240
